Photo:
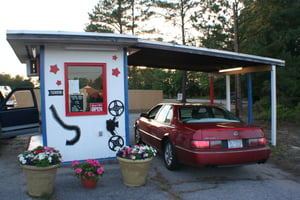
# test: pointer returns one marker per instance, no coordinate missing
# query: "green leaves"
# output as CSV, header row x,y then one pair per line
x,y
272,29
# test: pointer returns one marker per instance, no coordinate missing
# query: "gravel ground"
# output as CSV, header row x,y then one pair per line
x,y
286,155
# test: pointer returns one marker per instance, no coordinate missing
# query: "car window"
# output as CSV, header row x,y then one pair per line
x,y
196,114
152,113
218,113
162,116
20,99
193,112
169,116
185,113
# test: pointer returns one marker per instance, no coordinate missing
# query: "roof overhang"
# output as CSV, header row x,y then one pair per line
x,y
143,52
165,55
23,41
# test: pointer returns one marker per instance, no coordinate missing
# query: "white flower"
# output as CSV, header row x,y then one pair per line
x,y
41,156
22,160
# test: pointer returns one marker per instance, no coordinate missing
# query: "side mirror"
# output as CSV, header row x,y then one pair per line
x,y
10,104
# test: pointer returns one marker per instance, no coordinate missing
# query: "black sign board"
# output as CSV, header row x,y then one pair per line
x,y
76,103
56,92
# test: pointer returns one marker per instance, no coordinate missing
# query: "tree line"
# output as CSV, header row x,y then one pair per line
x,y
266,28
14,82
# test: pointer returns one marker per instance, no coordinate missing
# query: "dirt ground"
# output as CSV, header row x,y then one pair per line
x,y
286,154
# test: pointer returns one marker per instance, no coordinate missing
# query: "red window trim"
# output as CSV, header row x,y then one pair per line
x,y
104,111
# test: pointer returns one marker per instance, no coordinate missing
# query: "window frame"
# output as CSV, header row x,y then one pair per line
x,y
104,88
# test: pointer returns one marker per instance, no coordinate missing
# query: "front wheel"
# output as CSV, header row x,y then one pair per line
x,y
170,156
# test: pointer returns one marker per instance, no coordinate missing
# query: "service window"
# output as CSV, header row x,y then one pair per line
x,y
85,87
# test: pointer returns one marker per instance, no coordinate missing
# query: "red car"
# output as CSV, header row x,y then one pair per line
x,y
200,135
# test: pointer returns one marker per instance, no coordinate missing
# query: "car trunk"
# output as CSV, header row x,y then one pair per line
x,y
229,136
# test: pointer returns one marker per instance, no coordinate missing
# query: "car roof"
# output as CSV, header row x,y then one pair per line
x,y
187,104
178,104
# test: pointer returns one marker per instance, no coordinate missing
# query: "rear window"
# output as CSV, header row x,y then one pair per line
x,y
196,114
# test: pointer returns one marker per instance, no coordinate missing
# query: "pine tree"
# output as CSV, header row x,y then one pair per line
x,y
179,13
119,16
214,22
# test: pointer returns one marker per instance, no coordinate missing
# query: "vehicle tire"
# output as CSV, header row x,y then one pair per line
x,y
170,156
137,136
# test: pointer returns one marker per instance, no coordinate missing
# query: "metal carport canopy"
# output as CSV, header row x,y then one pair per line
x,y
166,55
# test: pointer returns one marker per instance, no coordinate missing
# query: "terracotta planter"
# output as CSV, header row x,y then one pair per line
x,y
134,172
88,183
40,180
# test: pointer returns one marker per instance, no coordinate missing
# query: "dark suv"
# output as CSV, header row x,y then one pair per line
x,y
19,113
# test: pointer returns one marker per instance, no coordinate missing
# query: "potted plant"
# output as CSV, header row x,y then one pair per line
x,y
40,167
88,172
134,162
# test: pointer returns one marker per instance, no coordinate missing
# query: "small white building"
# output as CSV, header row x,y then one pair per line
x,y
83,90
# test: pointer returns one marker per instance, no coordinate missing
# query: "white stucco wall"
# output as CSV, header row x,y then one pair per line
x,y
94,139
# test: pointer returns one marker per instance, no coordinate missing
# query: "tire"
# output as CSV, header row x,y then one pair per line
x,y
137,136
170,156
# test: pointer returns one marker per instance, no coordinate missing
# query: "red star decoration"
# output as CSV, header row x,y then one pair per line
x,y
54,69
115,57
58,82
115,72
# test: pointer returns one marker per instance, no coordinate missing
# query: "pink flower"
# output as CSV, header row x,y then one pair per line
x,y
128,150
100,170
97,163
90,174
74,163
90,161
48,148
78,170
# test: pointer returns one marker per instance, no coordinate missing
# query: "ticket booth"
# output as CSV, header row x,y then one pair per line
x,y
83,86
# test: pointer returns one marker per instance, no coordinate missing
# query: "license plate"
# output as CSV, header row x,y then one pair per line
x,y
235,144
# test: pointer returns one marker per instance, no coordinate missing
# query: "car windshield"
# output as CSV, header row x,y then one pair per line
x,y
198,114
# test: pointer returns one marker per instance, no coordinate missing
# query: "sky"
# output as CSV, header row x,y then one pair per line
x,y
44,15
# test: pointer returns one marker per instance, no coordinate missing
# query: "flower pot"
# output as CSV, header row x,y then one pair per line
x,y
88,183
134,172
40,180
